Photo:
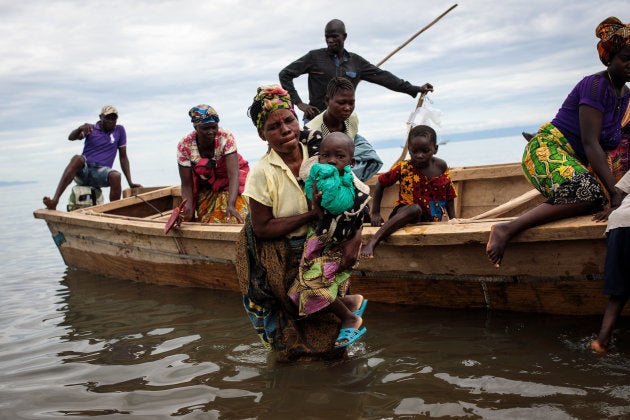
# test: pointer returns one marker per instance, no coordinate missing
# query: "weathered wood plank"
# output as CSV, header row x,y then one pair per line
x,y
183,273
501,170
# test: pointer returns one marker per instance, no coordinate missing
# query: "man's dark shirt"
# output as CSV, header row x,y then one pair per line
x,y
321,66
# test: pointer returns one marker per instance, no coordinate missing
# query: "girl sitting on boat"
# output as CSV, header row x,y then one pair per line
x,y
567,159
212,172
426,191
323,281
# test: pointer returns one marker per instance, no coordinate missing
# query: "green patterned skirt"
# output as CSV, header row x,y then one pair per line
x,y
265,270
550,164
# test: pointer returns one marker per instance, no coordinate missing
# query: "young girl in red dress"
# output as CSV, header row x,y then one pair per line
x,y
426,190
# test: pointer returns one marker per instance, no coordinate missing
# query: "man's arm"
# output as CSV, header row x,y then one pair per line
x,y
124,164
297,68
81,132
369,72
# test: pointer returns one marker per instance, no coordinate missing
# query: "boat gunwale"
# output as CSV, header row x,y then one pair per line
x,y
422,234
455,232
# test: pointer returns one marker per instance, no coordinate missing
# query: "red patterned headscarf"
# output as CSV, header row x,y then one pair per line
x,y
614,35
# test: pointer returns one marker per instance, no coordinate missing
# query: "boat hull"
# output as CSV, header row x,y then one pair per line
x,y
555,268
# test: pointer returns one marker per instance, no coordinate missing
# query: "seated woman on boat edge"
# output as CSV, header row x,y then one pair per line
x,y
557,158
211,171
272,240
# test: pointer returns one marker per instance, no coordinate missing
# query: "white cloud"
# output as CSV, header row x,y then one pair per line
x,y
495,65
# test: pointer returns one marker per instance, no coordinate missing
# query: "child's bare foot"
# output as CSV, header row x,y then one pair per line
x,y
496,243
50,203
598,347
354,321
368,250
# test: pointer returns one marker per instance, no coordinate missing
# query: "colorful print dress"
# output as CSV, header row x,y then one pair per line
x,y
210,180
431,194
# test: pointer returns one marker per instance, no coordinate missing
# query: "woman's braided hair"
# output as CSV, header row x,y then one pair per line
x,y
338,84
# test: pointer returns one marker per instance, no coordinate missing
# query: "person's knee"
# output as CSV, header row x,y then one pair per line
x,y
114,179
77,162
413,211
410,213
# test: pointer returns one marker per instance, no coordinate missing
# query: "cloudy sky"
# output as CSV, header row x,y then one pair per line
x,y
498,67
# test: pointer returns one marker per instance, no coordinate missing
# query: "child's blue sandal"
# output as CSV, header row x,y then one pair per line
x,y
361,308
350,335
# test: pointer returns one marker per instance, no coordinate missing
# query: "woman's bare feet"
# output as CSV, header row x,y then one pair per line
x,y
499,237
50,203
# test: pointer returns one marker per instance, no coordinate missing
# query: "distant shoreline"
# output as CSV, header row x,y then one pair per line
x,y
12,183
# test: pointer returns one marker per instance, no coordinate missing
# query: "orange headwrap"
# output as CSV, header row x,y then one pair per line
x,y
613,35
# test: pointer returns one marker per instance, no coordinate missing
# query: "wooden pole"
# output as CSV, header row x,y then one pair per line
x,y
510,205
415,35
401,46
403,154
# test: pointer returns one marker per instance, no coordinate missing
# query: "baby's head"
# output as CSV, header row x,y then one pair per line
x,y
422,143
337,149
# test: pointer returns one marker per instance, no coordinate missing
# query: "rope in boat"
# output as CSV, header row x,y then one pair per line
x,y
149,204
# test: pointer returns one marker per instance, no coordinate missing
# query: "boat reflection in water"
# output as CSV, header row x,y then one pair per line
x,y
145,350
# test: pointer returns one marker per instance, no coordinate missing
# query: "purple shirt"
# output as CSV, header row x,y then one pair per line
x,y
101,147
594,91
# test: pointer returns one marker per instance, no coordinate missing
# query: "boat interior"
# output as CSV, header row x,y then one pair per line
x,y
483,192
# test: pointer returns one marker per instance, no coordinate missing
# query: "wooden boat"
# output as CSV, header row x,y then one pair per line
x,y
555,268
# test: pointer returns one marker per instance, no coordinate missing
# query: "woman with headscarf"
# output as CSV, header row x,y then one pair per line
x,y
272,241
566,160
212,172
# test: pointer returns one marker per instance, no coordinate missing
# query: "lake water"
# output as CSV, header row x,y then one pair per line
x,y
78,345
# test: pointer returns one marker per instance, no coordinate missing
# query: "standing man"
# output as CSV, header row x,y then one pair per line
x,y
94,166
325,63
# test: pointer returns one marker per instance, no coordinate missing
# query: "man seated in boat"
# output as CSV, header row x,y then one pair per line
x,y
426,191
94,166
